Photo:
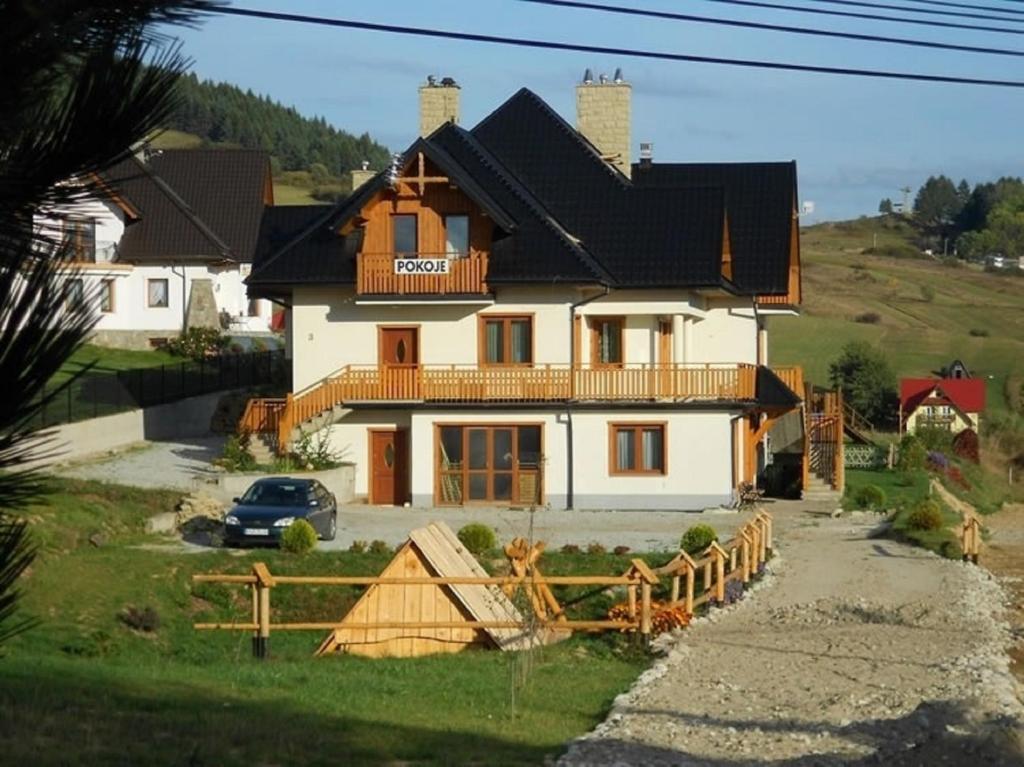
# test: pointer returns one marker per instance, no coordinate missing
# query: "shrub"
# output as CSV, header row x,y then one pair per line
x,y
912,454
697,538
927,293
314,452
299,537
596,549
358,547
937,462
379,547
978,332
258,345
236,455
868,318
620,550
198,343
869,497
146,620
965,445
570,548
477,538
935,440
925,516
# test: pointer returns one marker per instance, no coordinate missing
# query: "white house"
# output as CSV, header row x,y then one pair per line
x,y
169,244
516,314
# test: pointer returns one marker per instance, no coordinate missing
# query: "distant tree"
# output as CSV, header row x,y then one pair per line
x,y
983,199
885,207
868,384
1004,230
937,205
963,192
77,96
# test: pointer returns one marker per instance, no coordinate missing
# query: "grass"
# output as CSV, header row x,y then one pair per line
x,y
104,360
83,688
287,194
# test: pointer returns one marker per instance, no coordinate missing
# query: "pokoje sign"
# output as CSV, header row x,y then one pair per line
x,y
421,266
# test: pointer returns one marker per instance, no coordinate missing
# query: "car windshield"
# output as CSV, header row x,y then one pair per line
x,y
275,494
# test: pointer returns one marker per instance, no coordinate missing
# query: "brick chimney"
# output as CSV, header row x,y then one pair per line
x,y
360,176
439,104
603,116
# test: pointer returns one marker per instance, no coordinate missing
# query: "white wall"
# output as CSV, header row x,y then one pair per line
x,y
108,216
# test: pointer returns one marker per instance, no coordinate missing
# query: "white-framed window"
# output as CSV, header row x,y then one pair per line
x,y
74,294
456,234
107,296
158,293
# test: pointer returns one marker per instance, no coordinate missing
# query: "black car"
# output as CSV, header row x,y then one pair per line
x,y
270,505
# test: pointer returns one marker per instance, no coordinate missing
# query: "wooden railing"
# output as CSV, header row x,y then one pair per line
x,y
825,438
262,415
793,377
375,275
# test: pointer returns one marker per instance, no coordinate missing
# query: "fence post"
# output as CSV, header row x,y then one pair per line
x,y
264,582
717,553
645,610
745,548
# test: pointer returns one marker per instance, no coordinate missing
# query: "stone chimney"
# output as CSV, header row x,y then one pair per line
x,y
361,175
603,116
439,104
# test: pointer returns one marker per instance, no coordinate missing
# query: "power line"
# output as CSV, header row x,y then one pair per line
x,y
969,6
911,9
870,16
608,50
584,5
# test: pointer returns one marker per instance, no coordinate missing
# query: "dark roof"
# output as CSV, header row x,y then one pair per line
x,y
760,200
562,214
193,204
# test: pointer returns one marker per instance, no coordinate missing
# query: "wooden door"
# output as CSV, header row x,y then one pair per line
x,y
389,467
399,362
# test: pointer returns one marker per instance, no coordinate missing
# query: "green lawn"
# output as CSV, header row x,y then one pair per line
x,y
82,688
104,360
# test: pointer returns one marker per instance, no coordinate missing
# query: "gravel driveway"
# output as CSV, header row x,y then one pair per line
x,y
152,464
861,651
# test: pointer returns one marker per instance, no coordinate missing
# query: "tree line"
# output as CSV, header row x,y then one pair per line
x,y
220,113
985,220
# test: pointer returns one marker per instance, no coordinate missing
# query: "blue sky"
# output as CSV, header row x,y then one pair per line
x,y
855,140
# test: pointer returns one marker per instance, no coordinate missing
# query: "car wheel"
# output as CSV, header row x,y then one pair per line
x,y
332,528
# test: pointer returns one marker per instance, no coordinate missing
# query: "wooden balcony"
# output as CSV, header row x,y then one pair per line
x,y
466,275
542,383
793,377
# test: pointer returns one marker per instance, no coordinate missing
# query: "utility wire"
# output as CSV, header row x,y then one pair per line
x,y
617,9
608,50
969,6
871,16
911,9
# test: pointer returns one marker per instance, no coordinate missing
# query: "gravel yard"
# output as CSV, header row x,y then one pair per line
x,y
151,464
856,651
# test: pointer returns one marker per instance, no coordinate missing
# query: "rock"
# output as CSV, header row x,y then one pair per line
x,y
162,524
199,513
98,539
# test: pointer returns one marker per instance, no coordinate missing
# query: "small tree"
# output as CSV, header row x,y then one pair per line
x,y
867,382
885,207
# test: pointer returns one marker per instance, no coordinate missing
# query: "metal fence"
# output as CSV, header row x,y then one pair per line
x,y
97,394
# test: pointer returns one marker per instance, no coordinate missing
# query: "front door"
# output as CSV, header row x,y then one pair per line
x,y
389,467
399,363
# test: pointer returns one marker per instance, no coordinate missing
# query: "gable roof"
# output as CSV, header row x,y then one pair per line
x,y
193,204
563,214
968,394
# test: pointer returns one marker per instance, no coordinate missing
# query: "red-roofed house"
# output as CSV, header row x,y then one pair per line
x,y
945,403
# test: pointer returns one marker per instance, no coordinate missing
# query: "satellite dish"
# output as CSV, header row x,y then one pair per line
x,y
807,208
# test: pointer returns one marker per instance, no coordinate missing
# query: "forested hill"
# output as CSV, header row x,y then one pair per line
x,y
221,113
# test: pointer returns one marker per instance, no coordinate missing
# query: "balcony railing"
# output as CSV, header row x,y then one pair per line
x,y
376,274
793,377
540,383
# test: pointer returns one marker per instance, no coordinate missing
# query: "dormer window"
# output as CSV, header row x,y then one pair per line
x,y
456,233
404,235
79,235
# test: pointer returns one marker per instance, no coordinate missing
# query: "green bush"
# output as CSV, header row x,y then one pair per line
x,y
236,455
912,454
199,343
938,440
477,538
299,537
925,516
570,548
869,497
358,547
596,549
697,538
379,547
927,293
314,451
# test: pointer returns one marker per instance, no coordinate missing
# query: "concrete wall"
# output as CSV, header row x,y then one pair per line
x,y
339,480
176,420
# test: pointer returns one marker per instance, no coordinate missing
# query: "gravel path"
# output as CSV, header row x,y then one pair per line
x,y
854,651
153,464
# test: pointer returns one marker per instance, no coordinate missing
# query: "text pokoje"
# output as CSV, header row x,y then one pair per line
x,y
421,266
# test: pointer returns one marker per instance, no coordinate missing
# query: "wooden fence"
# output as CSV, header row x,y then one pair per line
x,y
738,559
970,538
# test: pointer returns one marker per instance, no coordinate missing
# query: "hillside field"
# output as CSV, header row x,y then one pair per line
x,y
929,313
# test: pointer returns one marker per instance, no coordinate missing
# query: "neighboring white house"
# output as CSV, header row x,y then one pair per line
x,y
169,244
516,314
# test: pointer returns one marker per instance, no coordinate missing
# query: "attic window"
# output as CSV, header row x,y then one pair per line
x,y
456,233
404,234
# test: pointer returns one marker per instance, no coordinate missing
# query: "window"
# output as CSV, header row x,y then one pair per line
x,y
79,235
478,463
74,294
637,448
606,340
157,294
456,233
107,296
254,307
403,230
506,340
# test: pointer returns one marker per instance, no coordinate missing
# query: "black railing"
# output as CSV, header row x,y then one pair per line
x,y
92,395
